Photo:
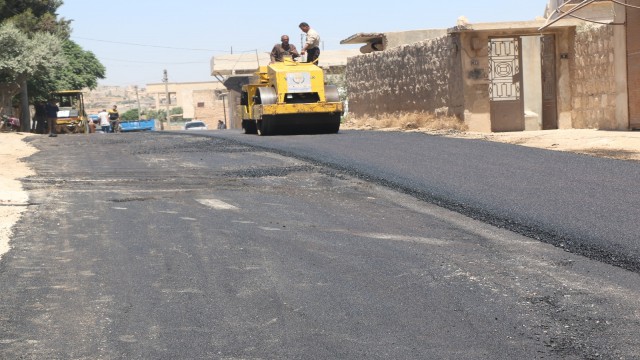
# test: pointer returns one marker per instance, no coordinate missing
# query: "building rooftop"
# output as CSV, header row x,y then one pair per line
x,y
248,63
382,41
533,25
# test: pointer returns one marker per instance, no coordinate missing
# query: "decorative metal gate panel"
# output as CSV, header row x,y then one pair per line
x,y
633,63
505,88
549,89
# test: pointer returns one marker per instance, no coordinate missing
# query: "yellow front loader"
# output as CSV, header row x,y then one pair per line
x,y
72,117
290,98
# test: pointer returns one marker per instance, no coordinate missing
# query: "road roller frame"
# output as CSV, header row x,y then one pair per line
x,y
290,98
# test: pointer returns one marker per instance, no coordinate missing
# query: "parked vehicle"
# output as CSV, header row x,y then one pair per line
x,y
137,125
195,125
10,123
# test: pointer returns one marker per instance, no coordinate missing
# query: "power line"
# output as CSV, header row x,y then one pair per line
x,y
154,46
157,62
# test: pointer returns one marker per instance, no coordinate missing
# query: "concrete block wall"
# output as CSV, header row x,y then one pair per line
x,y
408,78
594,86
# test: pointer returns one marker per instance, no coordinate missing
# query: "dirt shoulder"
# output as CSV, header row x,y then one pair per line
x,y
622,145
13,199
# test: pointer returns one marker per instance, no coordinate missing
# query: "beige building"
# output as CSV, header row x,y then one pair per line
x,y
496,77
608,73
382,41
198,100
560,72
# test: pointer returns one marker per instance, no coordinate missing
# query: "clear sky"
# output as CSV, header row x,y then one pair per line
x,y
137,39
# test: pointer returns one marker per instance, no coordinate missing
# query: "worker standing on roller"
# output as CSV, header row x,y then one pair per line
x,y
312,45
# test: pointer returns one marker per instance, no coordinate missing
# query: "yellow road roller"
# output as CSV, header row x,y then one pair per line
x,y
290,98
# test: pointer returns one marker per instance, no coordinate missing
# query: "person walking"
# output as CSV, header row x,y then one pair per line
x,y
312,45
40,117
114,119
221,125
51,110
283,49
104,121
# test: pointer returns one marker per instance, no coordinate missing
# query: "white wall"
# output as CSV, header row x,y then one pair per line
x,y
532,82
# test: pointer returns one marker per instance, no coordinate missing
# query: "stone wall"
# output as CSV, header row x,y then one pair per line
x,y
408,78
593,85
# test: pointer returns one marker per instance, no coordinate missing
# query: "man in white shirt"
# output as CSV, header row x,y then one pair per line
x,y
104,121
312,45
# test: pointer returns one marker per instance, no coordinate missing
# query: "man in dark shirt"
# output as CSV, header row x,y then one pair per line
x,y
40,117
284,49
52,116
114,119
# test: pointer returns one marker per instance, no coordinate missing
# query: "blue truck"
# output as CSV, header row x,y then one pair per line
x,y
138,125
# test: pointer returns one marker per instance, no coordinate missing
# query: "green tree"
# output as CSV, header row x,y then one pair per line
x,y
130,115
157,114
32,16
23,57
37,19
13,8
161,114
82,70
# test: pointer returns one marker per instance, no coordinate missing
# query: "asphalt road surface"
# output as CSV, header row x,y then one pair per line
x,y
184,246
581,203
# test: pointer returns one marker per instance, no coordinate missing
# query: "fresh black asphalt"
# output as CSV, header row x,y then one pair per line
x,y
585,204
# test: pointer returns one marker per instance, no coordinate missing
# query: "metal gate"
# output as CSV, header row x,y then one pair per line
x,y
505,88
549,93
633,63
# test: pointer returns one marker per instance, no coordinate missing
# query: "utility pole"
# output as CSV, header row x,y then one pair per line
x,y
138,98
165,79
25,118
224,109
